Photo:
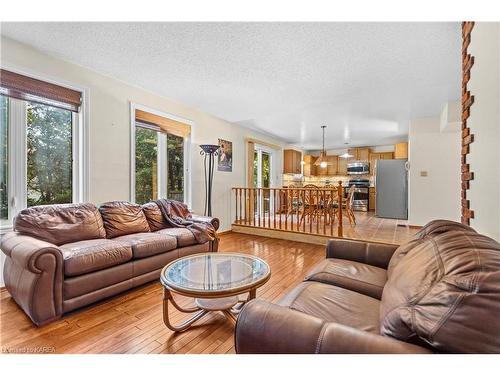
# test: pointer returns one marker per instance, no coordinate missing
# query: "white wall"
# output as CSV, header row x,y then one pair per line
x,y
484,123
436,196
109,131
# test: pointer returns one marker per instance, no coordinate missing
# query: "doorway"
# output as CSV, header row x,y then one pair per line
x,y
262,173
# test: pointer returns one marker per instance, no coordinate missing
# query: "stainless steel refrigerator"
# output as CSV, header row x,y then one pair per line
x,y
391,186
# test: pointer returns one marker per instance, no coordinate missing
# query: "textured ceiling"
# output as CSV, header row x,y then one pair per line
x,y
365,81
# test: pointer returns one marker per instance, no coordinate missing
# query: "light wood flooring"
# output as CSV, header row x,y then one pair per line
x,y
368,227
132,322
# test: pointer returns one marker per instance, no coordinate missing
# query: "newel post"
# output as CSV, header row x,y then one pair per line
x,y
340,190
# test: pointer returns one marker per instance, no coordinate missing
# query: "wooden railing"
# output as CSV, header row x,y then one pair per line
x,y
307,209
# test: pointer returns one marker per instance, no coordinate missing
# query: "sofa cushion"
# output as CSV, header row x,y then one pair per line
x,y
61,223
92,255
184,236
148,244
154,216
121,218
334,304
358,277
444,290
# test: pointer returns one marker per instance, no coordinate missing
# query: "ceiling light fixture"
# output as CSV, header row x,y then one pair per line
x,y
346,155
323,161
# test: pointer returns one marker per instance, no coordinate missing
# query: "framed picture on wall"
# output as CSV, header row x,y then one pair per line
x,y
225,158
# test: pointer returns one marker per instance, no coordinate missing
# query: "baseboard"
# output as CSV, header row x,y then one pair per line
x,y
415,226
225,232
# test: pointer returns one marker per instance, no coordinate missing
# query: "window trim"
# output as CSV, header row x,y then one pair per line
x,y
187,152
80,149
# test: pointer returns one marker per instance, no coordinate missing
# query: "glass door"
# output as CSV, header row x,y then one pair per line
x,y
262,163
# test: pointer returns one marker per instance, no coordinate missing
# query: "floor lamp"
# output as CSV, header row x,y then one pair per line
x,y
209,152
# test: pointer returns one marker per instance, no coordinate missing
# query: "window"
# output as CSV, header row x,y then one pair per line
x,y
175,167
262,176
159,157
4,147
39,139
49,155
146,165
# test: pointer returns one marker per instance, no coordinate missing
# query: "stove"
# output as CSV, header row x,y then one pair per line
x,y
361,193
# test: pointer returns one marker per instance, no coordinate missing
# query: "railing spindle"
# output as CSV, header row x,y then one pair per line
x,y
303,218
340,230
274,207
332,217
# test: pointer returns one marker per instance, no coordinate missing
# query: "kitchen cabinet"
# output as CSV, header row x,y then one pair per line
x,y
401,151
387,155
291,161
331,169
372,199
333,165
342,166
363,154
360,153
374,156
309,168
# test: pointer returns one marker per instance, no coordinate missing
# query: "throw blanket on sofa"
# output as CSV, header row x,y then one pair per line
x,y
177,215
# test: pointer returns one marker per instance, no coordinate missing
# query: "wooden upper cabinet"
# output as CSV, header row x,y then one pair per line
x,y
363,154
387,155
309,167
332,168
401,150
291,161
342,166
360,153
374,156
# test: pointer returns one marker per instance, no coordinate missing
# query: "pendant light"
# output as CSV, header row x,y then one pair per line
x,y
323,161
346,155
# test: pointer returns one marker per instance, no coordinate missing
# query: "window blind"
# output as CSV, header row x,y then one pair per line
x,y
22,87
165,124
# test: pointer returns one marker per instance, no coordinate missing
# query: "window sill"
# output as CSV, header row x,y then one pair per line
x,y
5,227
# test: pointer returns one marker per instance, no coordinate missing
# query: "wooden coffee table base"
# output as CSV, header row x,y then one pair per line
x,y
229,306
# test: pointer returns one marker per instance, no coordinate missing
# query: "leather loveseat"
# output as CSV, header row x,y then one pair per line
x,y
62,257
437,293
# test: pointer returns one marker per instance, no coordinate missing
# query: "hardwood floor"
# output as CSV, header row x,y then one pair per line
x,y
132,322
367,227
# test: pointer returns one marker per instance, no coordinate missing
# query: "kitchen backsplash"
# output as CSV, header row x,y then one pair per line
x,y
299,180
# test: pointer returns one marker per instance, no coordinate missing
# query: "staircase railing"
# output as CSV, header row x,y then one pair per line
x,y
303,209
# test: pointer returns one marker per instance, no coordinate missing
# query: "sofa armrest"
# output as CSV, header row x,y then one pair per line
x,y
33,275
265,328
373,253
206,219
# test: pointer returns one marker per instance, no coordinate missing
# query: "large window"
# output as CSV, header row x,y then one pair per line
x,y
39,143
160,168
4,151
175,167
49,155
146,165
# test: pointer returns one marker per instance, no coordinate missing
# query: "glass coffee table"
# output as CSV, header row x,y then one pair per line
x,y
215,281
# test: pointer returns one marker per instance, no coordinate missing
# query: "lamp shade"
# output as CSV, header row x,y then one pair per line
x,y
322,160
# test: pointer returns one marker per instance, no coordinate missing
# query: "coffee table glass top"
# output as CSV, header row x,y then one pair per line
x,y
215,272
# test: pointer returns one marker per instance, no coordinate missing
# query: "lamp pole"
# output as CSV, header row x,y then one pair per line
x,y
209,152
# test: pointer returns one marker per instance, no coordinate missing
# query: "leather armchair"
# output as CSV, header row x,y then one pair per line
x,y
263,328
35,276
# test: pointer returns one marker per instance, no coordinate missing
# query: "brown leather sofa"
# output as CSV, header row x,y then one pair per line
x,y
437,293
62,257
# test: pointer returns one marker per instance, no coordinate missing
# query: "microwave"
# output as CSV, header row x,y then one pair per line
x,y
358,167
